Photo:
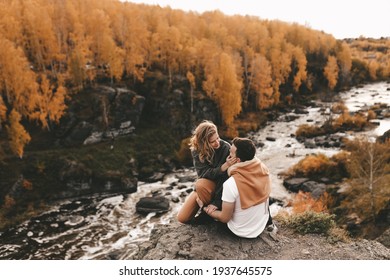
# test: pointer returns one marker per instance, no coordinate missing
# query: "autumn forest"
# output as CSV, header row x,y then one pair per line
x,y
52,49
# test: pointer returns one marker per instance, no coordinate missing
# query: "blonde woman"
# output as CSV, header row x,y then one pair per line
x,y
211,160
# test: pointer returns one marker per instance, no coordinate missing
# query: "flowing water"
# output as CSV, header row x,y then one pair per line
x,y
108,227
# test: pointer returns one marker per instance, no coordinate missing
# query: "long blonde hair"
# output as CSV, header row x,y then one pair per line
x,y
200,140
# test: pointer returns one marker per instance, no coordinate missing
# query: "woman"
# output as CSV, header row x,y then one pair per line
x,y
211,161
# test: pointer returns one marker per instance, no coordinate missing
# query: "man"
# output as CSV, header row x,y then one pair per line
x,y
245,195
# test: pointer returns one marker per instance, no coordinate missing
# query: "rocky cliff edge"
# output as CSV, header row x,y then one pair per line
x,y
213,242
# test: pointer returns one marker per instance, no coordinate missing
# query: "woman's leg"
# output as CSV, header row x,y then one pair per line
x,y
205,189
189,209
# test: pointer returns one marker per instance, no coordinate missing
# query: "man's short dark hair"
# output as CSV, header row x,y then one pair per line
x,y
246,149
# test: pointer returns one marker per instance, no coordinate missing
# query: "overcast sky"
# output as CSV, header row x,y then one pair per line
x,y
341,18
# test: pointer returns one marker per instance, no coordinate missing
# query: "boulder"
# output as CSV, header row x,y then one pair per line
x,y
294,184
384,238
385,137
157,204
316,189
213,242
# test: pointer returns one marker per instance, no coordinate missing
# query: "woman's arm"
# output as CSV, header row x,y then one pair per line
x,y
213,170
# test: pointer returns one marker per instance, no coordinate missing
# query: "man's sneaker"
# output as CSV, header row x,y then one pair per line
x,y
272,229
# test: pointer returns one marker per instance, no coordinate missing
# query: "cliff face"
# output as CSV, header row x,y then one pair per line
x,y
213,242
109,138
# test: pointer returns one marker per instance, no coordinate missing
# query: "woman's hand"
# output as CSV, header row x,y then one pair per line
x,y
210,209
231,160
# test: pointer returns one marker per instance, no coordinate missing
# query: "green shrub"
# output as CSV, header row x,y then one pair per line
x,y
338,234
310,222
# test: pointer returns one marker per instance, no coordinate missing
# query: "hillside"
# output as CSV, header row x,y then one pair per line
x,y
51,50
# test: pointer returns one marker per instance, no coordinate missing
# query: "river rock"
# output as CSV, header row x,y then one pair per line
x,y
157,204
304,184
385,137
310,144
316,189
301,111
270,138
294,184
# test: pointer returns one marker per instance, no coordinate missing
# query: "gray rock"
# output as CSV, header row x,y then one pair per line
x,y
385,238
157,204
294,184
214,242
315,188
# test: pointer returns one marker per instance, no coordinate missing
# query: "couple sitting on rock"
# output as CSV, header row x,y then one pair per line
x,y
233,185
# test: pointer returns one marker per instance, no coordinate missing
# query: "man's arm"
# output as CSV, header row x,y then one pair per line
x,y
223,215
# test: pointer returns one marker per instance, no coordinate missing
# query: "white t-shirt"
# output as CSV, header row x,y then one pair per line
x,y
248,222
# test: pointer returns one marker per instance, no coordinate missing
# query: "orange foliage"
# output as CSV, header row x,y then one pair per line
x,y
313,165
305,202
374,53
331,72
371,115
301,62
314,162
223,85
237,59
3,111
27,185
339,108
262,82
17,134
348,121
344,61
51,102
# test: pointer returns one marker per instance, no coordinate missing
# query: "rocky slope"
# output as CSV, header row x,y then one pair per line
x,y
212,241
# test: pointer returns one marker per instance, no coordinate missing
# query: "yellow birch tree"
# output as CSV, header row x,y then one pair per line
x,y
331,72
262,82
223,86
18,136
42,46
18,92
51,102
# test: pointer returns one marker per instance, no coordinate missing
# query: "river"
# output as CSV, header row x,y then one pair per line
x,y
109,228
